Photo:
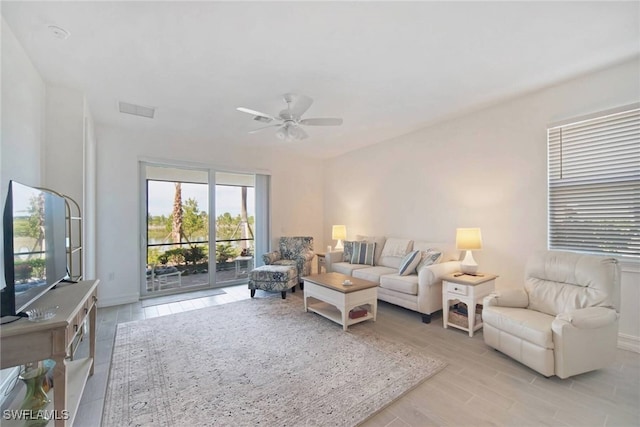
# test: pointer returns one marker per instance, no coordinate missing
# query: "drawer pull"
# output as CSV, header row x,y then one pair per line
x,y
86,310
75,328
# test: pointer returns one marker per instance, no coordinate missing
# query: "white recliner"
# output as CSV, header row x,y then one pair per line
x,y
565,320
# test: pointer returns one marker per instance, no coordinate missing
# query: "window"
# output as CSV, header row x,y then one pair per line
x,y
594,184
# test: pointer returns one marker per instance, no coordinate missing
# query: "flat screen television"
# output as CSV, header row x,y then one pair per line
x,y
35,246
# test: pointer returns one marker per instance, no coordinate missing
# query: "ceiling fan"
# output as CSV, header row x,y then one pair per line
x,y
290,119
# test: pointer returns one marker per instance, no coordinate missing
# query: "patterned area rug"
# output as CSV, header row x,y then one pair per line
x,y
261,361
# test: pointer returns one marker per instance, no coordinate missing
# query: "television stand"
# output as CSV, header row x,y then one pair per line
x,y
23,341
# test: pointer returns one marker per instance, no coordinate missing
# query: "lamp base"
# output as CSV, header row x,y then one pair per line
x,y
469,265
339,246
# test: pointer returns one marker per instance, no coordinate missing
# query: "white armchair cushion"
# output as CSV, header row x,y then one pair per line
x,y
559,282
529,325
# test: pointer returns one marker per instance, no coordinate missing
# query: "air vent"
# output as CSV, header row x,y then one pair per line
x,y
136,110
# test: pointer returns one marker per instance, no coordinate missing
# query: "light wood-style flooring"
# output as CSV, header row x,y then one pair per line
x,y
479,387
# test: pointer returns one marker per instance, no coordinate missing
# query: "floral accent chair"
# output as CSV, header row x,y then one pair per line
x,y
296,251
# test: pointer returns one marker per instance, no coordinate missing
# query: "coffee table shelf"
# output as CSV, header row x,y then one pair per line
x,y
332,313
326,295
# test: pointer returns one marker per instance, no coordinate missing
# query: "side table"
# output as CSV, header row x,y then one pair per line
x,y
469,290
322,262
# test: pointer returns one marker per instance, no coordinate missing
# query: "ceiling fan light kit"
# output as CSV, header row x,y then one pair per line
x,y
290,119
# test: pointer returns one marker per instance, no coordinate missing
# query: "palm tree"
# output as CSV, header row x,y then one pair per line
x,y
176,223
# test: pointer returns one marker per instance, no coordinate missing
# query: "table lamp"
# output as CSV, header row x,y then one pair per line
x,y
339,233
468,239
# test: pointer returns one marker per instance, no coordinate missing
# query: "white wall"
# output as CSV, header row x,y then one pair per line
x,y
485,169
296,196
23,113
64,141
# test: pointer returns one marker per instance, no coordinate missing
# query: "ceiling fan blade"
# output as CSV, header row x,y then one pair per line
x,y
328,121
255,113
301,103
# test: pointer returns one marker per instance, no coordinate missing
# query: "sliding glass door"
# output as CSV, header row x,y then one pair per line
x,y
235,222
177,229
184,247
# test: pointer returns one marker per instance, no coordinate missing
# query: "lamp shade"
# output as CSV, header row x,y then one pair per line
x,y
468,239
339,232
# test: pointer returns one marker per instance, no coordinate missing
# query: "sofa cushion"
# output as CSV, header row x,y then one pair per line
x,y
409,263
449,251
404,284
346,268
379,241
394,250
428,257
529,325
348,250
373,273
363,253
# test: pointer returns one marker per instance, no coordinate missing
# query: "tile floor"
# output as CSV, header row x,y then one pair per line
x,y
479,387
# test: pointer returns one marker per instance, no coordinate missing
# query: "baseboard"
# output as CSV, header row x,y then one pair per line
x,y
629,342
121,299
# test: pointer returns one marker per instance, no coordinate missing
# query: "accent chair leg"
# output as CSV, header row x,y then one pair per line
x,y
301,286
426,318
284,294
293,289
253,293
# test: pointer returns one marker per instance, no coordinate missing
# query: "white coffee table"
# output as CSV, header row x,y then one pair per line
x,y
326,295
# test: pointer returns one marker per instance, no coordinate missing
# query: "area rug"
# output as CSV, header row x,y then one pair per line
x,y
181,297
261,361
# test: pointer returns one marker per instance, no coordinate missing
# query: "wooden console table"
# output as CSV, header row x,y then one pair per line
x,y
23,341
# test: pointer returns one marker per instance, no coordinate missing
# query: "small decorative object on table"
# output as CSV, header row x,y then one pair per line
x,y
41,314
36,399
357,312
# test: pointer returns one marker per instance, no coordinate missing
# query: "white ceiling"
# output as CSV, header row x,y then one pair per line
x,y
386,68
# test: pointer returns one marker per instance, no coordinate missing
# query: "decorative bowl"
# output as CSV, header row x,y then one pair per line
x,y
41,314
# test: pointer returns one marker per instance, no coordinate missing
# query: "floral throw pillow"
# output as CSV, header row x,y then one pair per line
x,y
348,250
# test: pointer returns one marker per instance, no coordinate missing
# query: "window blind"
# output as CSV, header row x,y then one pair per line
x,y
594,184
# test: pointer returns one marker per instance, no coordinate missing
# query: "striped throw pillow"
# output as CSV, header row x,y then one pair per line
x,y
409,263
429,257
363,253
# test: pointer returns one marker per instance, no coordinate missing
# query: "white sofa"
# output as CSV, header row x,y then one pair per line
x,y
421,291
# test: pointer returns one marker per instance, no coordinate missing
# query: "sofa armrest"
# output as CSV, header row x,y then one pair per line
x,y
516,298
271,257
308,256
430,285
584,340
586,318
332,257
432,274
